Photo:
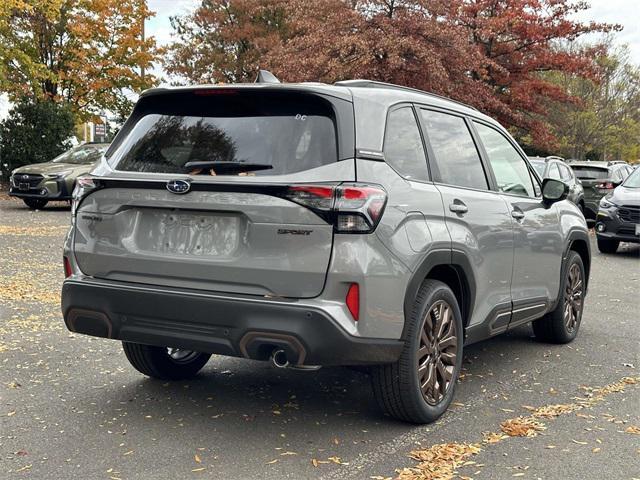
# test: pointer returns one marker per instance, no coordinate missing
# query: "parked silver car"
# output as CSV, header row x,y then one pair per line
x,y
358,223
556,168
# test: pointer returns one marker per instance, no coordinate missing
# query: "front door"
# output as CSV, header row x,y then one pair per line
x,y
538,245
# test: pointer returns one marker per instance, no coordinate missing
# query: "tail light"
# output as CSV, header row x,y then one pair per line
x,y
605,185
352,208
353,301
68,271
84,185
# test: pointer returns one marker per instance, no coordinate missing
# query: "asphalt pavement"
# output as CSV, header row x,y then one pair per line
x,y
71,407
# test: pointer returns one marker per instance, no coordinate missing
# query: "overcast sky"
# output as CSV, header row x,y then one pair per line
x,y
624,12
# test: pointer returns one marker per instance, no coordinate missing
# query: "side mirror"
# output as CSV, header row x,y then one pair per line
x,y
554,190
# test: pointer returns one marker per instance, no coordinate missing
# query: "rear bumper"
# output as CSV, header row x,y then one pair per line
x,y
225,325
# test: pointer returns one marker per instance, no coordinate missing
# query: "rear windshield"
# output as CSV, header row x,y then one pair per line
x,y
270,135
590,173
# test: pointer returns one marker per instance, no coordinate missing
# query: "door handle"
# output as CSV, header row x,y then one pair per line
x,y
458,208
517,214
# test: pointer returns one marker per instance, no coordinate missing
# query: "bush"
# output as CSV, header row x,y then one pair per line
x,y
34,132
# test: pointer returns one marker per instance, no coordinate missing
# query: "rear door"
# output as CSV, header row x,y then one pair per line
x,y
237,227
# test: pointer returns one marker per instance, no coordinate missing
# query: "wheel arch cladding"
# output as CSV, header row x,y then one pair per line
x,y
451,268
581,247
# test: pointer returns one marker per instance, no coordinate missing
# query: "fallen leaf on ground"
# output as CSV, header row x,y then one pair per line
x,y
522,427
439,461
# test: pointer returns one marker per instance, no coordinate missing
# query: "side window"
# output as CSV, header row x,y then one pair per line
x,y
554,172
565,173
456,156
617,175
509,168
403,148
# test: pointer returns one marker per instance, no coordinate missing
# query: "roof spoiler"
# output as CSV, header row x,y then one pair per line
x,y
265,76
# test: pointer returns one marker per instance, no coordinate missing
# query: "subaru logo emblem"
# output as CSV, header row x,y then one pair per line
x,y
178,186
25,177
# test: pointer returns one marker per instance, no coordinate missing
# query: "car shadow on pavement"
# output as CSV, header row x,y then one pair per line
x,y
629,250
230,394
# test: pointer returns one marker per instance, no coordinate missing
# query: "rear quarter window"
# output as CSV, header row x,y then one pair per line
x,y
281,133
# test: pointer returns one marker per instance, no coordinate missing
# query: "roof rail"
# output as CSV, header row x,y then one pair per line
x,y
375,84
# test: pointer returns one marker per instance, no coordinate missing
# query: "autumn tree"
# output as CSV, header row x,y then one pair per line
x,y
490,53
85,53
521,40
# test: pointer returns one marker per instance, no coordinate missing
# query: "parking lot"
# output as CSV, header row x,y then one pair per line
x,y
72,407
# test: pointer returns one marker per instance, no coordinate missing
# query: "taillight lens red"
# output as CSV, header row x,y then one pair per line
x,y
84,185
68,271
352,208
605,185
353,300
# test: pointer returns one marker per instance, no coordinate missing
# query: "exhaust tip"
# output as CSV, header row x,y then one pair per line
x,y
279,359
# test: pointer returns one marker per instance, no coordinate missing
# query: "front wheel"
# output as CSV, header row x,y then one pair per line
x,y
35,203
606,245
163,362
561,324
419,387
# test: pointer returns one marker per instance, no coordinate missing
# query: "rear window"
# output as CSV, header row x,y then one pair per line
x,y
539,166
590,173
276,134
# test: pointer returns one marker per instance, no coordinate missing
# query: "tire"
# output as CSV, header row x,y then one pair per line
x,y
157,362
557,326
397,386
606,245
35,203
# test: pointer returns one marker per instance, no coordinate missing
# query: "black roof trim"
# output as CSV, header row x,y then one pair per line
x,y
375,84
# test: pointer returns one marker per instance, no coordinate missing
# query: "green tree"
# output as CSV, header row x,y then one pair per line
x,y
603,121
34,132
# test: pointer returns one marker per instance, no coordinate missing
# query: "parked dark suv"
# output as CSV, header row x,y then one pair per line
x,y
351,224
556,168
598,179
619,215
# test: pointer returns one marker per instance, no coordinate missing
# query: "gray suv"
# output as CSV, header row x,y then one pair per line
x,y
358,223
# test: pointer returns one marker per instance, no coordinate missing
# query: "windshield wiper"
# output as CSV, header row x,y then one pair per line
x,y
227,168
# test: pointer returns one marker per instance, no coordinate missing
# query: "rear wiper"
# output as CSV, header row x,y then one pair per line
x,y
227,168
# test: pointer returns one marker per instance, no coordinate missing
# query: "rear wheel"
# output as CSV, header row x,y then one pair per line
x,y
35,203
163,362
419,387
561,325
606,245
